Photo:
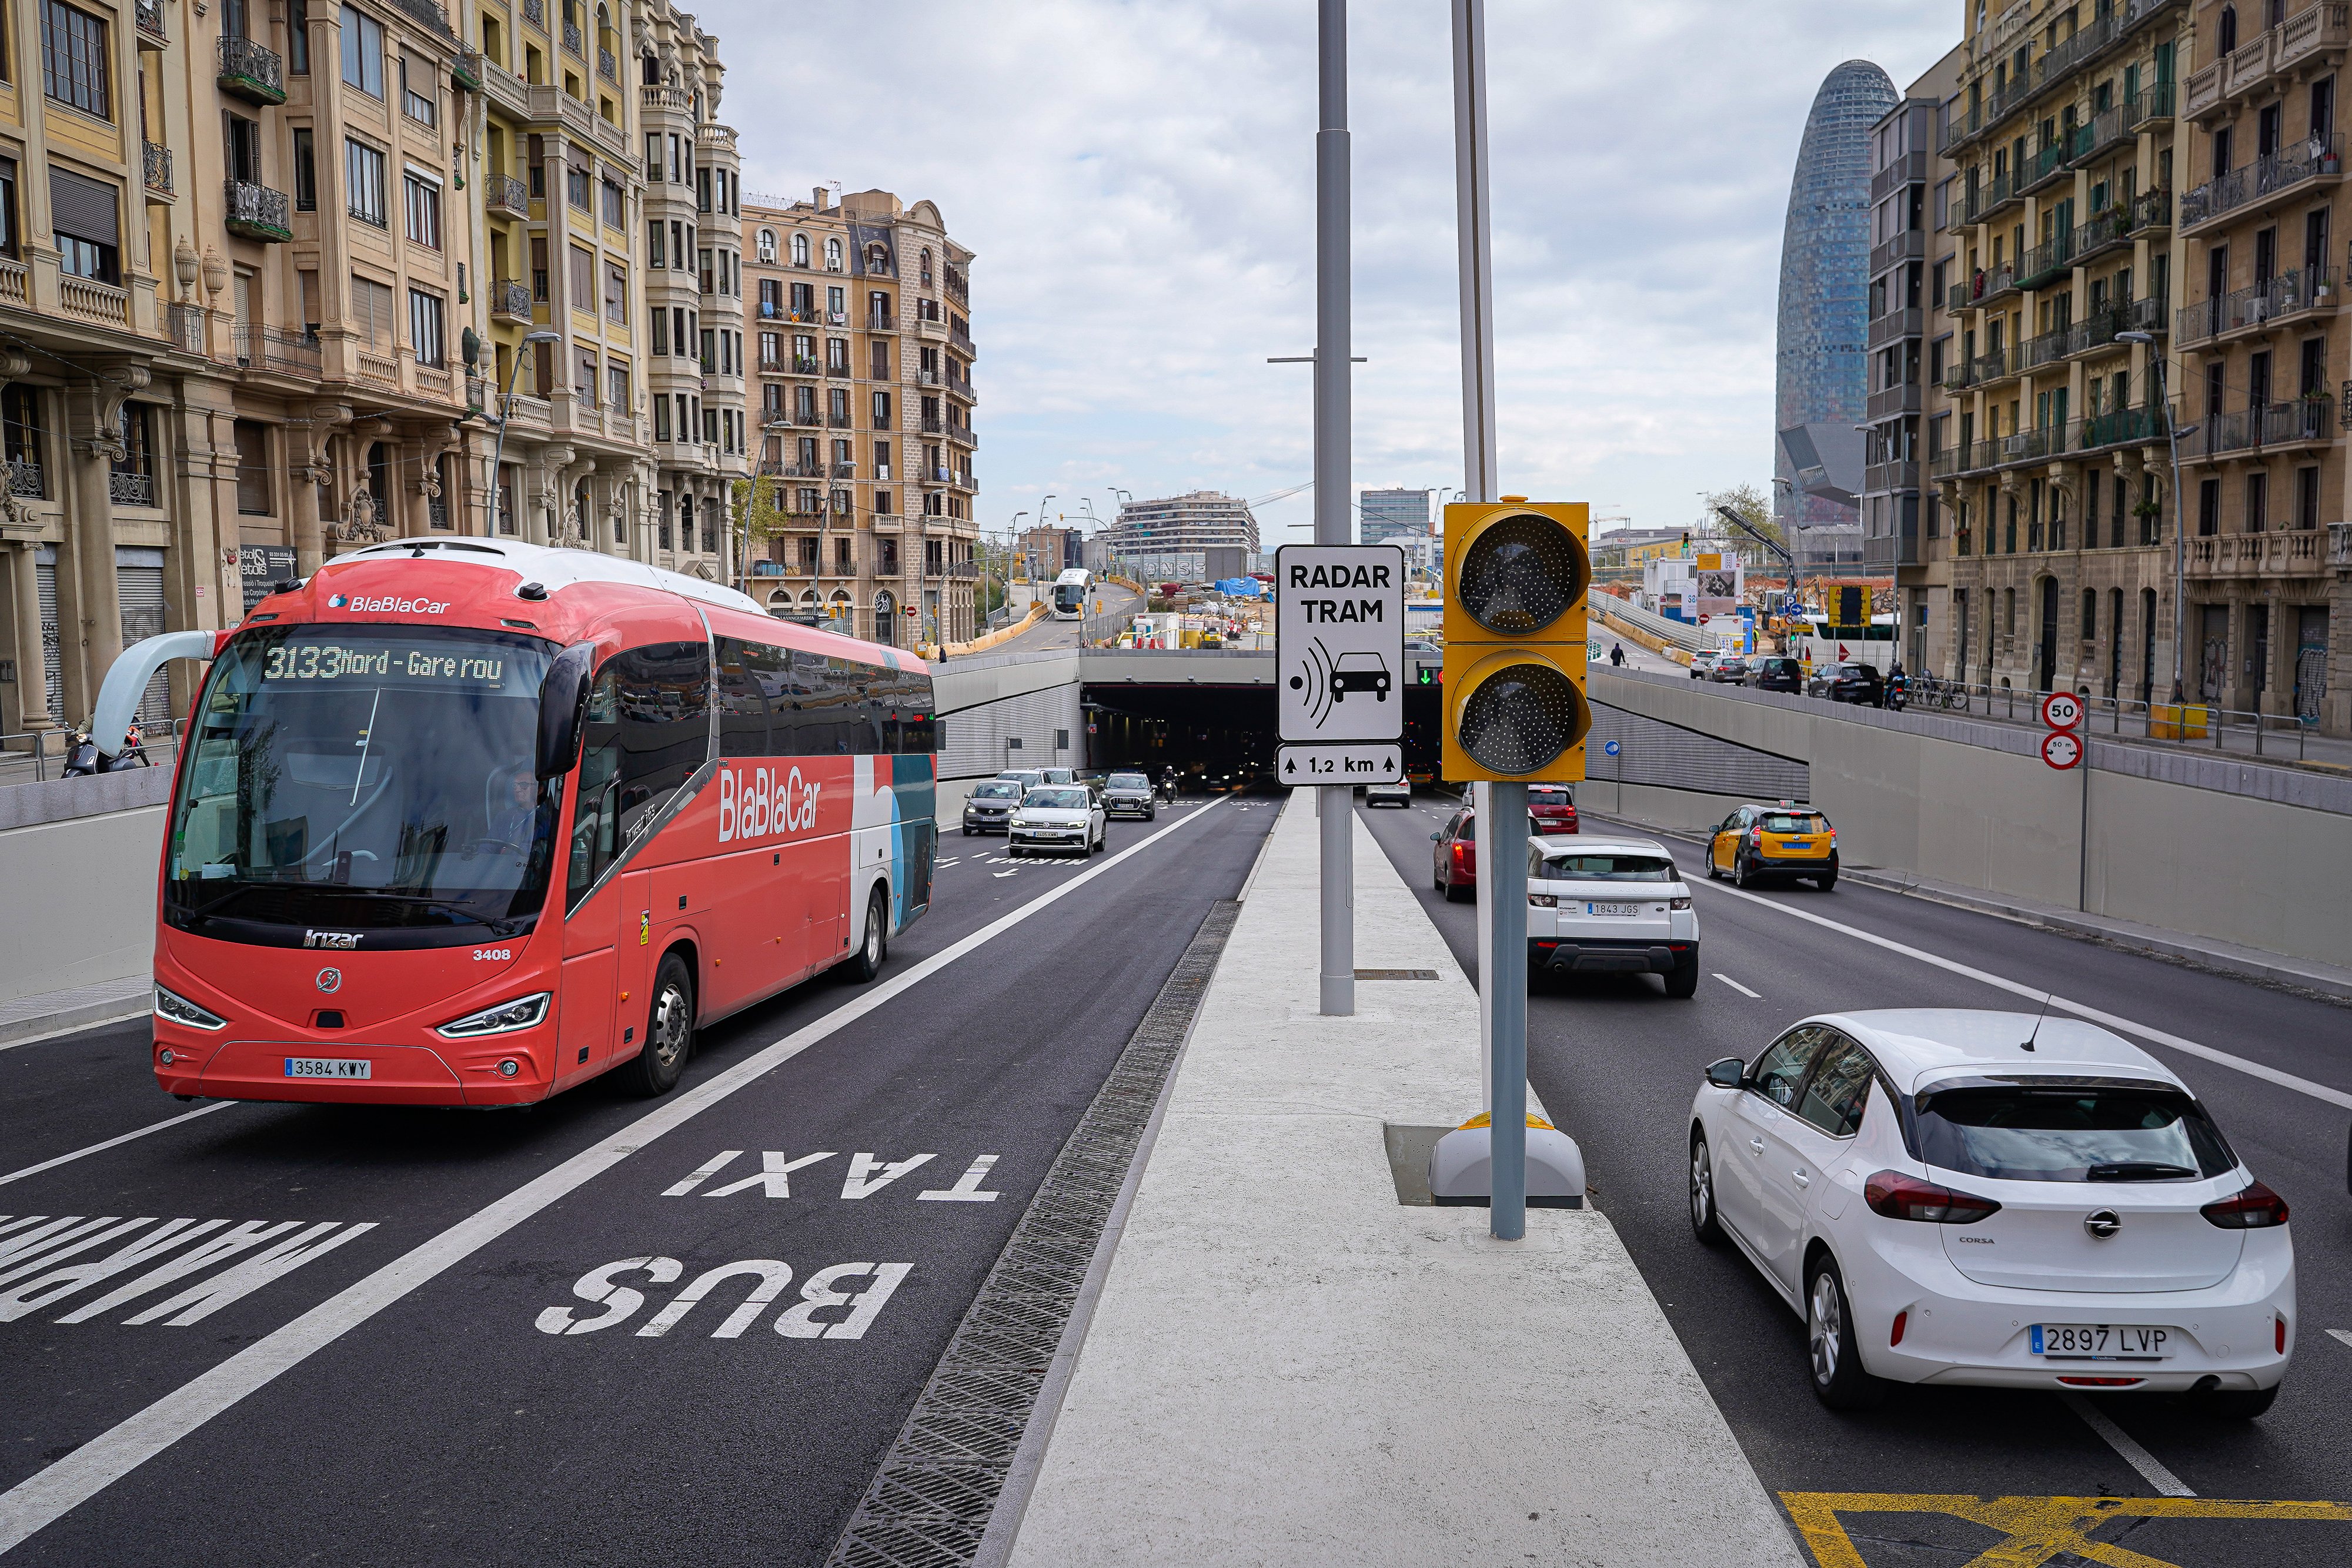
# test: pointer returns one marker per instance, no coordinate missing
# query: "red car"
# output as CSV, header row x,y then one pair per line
x,y
1455,867
1550,809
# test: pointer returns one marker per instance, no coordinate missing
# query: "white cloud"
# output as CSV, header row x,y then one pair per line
x,y
1137,179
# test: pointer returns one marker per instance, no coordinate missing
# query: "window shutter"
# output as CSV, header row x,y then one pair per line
x,y
86,209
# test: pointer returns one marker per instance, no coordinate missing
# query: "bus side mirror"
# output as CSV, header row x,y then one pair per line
x,y
563,709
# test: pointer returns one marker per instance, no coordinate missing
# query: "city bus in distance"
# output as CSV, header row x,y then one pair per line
x,y
1070,590
469,822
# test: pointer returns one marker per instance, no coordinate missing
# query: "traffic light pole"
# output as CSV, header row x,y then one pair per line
x,y
1333,429
1502,808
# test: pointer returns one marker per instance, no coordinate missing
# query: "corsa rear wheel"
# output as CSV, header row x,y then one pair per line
x,y
1839,1380
1703,1223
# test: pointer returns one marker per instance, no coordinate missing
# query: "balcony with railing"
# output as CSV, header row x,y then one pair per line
x,y
881,322
961,341
1895,326
152,21
509,301
2043,348
1879,478
257,212
1908,169
2339,547
278,350
2107,229
607,66
128,487
961,433
155,160
2138,427
2046,261
2151,210
961,387
1911,244
2257,185
2098,329
2273,553
27,480
1988,284
506,196
574,44
1900,399
2272,57
251,72
2043,167
2300,422
2119,124
2258,306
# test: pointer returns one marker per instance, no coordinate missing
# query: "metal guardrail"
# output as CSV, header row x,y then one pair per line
x,y
2192,724
40,754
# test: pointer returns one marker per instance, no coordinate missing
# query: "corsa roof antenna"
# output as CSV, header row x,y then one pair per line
x,y
2027,1044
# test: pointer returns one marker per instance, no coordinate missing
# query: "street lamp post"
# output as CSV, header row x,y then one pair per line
x,y
2180,517
506,411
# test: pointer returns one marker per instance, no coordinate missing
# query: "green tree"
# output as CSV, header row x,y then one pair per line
x,y
1749,505
758,517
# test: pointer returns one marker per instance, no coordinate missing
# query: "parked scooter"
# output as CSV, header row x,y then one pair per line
x,y
83,761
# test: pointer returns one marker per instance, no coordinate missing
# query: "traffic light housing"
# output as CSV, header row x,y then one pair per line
x,y
1514,703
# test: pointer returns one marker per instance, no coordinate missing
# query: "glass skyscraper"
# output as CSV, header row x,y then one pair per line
x,y
1820,371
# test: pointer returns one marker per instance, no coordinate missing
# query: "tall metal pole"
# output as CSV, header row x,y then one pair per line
x,y
1502,809
1333,427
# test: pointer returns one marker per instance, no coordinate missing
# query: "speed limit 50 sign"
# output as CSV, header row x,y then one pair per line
x,y
2061,710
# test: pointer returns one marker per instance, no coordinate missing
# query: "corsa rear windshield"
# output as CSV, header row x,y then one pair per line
x,y
2070,1132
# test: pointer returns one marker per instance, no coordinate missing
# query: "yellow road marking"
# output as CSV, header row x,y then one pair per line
x,y
2035,1529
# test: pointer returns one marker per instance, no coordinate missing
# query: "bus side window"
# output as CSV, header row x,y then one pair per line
x,y
665,709
744,675
594,822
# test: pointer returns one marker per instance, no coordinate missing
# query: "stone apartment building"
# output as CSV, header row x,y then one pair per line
x,y
857,310
2130,207
264,271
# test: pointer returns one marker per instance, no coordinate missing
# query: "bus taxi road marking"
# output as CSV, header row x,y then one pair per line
x,y
868,1174
48,1493
43,1260
111,1143
2035,1530
600,1287
2341,1335
1736,986
2253,1068
2150,1467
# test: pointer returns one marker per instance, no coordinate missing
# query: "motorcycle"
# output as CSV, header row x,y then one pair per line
x,y
1898,691
83,761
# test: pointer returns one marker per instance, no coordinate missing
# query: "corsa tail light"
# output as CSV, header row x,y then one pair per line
x,y
2278,1337
1900,1197
1902,1322
2256,1208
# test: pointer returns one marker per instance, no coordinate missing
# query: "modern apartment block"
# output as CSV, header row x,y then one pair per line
x,y
266,272
1896,513
1171,536
859,311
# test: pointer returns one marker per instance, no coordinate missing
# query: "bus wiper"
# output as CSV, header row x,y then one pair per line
x,y
2135,1170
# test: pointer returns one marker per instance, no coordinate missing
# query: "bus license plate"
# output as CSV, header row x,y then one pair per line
x,y
327,1067
2100,1342
1620,910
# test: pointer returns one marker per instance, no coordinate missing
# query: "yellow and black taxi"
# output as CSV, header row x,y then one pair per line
x,y
1786,841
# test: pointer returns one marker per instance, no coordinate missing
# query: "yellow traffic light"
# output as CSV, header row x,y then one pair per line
x,y
1516,576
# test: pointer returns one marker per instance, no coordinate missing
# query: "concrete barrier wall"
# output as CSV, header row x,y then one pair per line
x,y
79,904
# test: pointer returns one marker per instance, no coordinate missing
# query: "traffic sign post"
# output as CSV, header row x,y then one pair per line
x,y
2062,748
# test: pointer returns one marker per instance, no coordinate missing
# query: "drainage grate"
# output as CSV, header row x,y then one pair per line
x,y
1396,974
930,1502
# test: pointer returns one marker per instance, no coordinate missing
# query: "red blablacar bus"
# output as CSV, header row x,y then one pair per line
x,y
467,822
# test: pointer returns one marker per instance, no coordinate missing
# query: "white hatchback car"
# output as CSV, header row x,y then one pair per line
x,y
1065,819
1992,1199
1610,904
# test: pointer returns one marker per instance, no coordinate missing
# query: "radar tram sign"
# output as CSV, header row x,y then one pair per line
x,y
1338,654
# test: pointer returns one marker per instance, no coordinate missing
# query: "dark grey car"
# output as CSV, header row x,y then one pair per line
x,y
989,807
1129,795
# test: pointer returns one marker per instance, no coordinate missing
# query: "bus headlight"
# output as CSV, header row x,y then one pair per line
x,y
178,1010
523,1012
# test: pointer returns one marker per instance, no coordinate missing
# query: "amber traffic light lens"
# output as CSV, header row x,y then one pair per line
x,y
1521,719
1521,574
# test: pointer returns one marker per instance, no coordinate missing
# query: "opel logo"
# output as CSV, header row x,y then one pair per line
x,y
332,980
2102,1223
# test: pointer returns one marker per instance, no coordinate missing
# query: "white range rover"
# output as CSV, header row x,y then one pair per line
x,y
1605,904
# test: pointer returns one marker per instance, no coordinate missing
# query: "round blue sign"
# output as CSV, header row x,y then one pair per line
x,y
1610,749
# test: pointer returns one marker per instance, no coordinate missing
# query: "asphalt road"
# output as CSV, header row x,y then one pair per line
x,y
463,1417
1616,1062
1118,603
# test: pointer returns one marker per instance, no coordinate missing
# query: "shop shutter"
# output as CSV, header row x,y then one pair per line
x,y
141,589
45,585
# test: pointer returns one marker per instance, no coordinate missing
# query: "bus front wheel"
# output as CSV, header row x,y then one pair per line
x,y
866,962
669,1032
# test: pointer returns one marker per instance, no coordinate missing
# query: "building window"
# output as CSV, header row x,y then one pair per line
x,y
74,59
2209,507
244,148
364,175
881,410
9,241
831,253
617,207
799,250
84,215
584,279
306,171
767,248
2307,497
616,385
298,37
422,200
616,293
583,379
254,484
425,315
421,107
576,187
362,51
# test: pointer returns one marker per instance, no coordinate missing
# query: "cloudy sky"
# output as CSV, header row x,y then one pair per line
x,y
1137,177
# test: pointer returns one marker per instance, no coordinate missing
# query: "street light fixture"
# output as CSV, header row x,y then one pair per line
x,y
505,411
2180,517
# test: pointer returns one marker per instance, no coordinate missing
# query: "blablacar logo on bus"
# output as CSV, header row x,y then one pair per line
x,y
385,605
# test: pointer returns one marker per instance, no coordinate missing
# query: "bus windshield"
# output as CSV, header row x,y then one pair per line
x,y
1069,597
364,778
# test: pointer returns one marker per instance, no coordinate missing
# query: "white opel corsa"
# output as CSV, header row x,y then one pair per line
x,y
1996,1199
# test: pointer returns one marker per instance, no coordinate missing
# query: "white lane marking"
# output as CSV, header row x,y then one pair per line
x,y
2336,1097
1003,873
2340,1334
1736,986
111,1143
2150,1467
48,1493
967,1188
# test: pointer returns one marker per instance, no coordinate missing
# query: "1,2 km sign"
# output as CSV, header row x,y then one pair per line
x,y
1339,654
